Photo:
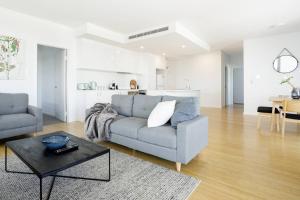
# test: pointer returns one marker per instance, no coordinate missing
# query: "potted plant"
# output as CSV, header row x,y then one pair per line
x,y
295,94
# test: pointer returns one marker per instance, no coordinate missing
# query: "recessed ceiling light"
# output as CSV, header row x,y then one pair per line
x,y
142,47
183,46
164,54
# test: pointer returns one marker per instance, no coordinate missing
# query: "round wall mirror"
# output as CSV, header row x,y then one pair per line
x,y
285,63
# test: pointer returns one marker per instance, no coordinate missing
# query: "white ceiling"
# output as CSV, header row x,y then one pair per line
x,y
170,45
223,24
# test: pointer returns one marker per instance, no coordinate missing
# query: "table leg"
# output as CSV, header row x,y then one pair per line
x,y
86,178
41,188
109,165
5,158
6,163
272,117
278,122
50,190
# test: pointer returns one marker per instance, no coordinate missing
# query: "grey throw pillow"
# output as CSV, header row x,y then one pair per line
x,y
184,111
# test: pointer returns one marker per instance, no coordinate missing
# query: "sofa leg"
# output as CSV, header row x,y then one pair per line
x,y
178,166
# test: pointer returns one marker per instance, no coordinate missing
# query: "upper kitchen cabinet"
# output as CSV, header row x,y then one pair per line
x,y
125,61
160,62
94,55
143,62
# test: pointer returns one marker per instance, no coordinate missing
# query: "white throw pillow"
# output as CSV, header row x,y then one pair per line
x,y
161,114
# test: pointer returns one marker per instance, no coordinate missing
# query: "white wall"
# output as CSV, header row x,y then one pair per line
x,y
204,72
33,31
260,79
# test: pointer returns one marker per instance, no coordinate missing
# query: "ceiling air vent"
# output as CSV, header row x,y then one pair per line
x,y
148,33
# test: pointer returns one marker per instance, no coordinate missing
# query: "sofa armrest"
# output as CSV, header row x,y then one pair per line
x,y
38,113
192,137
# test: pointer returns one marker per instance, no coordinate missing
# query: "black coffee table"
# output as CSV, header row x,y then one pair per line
x,y
43,164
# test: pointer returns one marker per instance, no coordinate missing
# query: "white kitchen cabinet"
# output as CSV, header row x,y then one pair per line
x,y
160,62
126,61
142,63
96,56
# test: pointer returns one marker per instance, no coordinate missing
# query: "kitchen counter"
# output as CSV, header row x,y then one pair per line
x,y
179,93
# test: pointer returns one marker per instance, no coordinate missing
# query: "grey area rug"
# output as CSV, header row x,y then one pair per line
x,y
131,178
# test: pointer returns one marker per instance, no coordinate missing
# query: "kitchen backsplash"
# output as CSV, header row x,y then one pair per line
x,y
104,79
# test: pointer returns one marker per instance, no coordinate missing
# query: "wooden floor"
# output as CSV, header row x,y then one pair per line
x,y
239,162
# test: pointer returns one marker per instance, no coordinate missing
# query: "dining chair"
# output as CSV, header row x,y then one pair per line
x,y
291,113
264,111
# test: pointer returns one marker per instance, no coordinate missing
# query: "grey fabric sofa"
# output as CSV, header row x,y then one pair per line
x,y
179,145
17,117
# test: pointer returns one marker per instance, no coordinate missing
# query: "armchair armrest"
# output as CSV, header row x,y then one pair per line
x,y
192,137
37,112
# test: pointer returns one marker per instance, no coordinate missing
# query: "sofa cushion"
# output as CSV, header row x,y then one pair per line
x,y
143,105
13,103
164,136
122,104
118,117
161,114
13,121
194,100
128,126
293,116
266,109
184,111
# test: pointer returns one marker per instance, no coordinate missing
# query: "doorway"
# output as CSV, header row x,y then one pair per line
x,y
51,67
228,85
238,86
234,78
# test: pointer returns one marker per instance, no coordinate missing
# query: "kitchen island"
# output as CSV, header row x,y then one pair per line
x,y
178,93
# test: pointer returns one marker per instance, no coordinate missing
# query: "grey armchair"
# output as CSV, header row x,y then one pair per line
x,y
17,117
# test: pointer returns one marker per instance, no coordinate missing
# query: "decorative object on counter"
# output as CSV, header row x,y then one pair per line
x,y
55,142
83,86
93,85
295,94
285,62
133,84
9,58
113,86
